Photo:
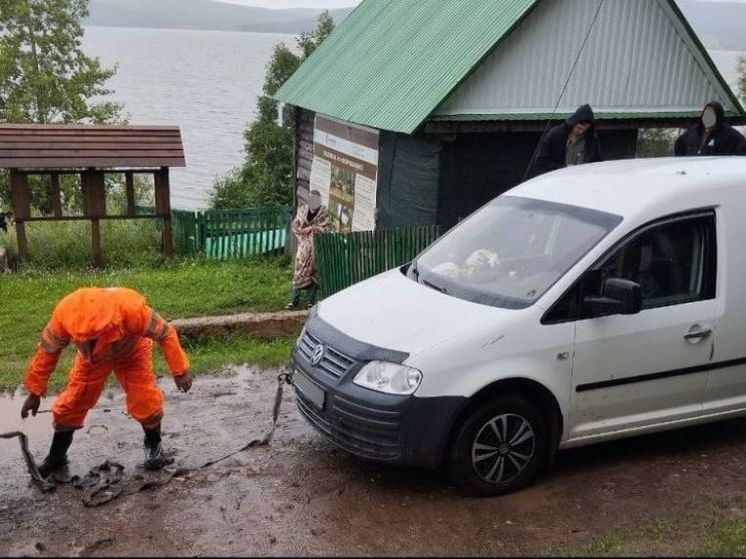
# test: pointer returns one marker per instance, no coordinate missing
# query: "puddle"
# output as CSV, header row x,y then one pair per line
x,y
216,417
39,432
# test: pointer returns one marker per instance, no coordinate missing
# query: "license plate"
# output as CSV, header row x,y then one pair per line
x,y
309,389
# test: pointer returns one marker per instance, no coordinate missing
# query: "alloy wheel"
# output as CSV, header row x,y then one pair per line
x,y
503,448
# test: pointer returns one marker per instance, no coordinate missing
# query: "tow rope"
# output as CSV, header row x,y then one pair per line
x,y
102,483
282,380
33,470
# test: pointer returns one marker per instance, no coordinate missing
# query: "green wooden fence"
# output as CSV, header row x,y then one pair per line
x,y
184,232
345,259
225,234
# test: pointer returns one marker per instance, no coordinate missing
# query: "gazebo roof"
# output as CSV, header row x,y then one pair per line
x,y
63,147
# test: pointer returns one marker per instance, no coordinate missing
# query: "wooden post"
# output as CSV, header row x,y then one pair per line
x,y
130,180
56,199
94,207
97,193
84,185
98,256
163,208
21,200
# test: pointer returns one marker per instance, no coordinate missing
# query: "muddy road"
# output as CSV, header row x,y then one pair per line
x,y
302,496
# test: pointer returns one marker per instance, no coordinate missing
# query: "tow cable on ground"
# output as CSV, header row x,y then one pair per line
x,y
102,484
282,380
33,470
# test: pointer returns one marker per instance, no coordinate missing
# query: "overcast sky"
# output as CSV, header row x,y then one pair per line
x,y
297,3
326,3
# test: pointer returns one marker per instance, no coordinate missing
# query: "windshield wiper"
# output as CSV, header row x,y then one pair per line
x,y
415,271
435,287
415,274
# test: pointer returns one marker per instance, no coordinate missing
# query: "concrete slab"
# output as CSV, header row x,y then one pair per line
x,y
257,325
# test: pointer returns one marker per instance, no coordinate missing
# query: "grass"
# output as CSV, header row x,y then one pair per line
x,y
215,354
176,289
725,539
711,532
66,245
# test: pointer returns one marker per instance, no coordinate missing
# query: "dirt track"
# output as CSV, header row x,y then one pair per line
x,y
302,496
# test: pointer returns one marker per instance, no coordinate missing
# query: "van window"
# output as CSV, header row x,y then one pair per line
x,y
511,251
673,262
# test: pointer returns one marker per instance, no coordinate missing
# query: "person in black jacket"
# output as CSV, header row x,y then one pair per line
x,y
711,136
572,143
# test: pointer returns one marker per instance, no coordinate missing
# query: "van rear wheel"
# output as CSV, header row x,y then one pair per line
x,y
499,448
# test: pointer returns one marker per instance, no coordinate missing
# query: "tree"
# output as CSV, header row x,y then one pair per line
x,y
45,77
310,41
656,142
265,178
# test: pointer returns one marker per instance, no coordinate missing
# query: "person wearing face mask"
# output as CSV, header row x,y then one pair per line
x,y
113,329
711,135
573,142
311,218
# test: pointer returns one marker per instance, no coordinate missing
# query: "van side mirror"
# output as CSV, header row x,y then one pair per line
x,y
618,296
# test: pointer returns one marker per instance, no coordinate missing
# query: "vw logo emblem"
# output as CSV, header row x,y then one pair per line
x,y
318,355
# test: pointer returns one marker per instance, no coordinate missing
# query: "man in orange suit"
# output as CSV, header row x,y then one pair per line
x,y
113,331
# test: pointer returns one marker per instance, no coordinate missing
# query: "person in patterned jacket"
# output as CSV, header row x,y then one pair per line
x,y
310,219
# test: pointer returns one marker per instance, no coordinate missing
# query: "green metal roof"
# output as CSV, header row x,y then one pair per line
x,y
392,62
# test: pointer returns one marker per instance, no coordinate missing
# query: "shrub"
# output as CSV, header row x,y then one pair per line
x,y
656,142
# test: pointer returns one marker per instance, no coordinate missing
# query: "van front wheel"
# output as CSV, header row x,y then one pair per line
x,y
499,448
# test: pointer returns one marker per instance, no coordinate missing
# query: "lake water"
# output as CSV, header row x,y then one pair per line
x,y
206,82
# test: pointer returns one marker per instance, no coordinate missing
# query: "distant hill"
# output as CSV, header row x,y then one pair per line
x,y
720,25
295,26
203,14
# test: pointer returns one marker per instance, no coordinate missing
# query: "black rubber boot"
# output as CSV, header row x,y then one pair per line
x,y
153,449
57,457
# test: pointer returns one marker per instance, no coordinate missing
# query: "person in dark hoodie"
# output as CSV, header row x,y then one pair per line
x,y
711,135
572,143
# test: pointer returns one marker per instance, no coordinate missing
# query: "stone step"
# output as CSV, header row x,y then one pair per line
x,y
264,326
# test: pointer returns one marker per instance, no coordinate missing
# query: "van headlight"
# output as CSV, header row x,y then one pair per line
x,y
389,378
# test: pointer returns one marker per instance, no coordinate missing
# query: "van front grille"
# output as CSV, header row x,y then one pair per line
x,y
334,363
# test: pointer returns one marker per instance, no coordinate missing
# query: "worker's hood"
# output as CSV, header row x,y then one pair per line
x,y
89,313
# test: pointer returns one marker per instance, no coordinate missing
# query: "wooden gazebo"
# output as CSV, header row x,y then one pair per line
x,y
91,152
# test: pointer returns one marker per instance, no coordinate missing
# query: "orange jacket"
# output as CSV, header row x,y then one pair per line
x,y
117,318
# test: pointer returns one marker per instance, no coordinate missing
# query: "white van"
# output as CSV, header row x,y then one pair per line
x,y
592,303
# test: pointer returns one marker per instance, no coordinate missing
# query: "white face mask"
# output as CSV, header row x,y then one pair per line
x,y
709,118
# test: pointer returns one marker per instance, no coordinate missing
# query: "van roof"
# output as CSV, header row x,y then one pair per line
x,y
632,186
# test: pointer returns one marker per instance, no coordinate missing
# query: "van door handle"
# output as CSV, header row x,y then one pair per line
x,y
697,333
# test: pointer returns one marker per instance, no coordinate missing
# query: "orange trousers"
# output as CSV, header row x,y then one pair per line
x,y
85,383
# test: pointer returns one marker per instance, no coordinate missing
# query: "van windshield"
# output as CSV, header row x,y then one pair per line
x,y
510,252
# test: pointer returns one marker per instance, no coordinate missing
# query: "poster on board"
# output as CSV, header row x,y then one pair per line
x,y
345,172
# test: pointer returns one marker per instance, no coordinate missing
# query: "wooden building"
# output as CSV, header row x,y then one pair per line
x,y
90,152
417,112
